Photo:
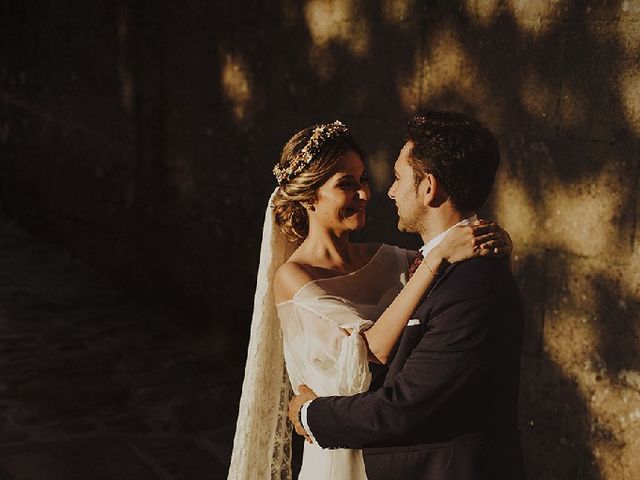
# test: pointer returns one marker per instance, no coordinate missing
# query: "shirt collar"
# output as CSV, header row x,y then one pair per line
x,y
433,243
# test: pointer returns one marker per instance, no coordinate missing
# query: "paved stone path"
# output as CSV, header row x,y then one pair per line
x,y
93,386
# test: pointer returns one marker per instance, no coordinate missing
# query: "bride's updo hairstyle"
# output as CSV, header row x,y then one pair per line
x,y
307,161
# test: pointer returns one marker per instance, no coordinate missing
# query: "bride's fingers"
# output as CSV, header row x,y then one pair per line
x,y
492,244
481,221
480,239
485,228
492,252
496,252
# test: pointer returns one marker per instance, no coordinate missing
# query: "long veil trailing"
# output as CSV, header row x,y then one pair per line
x,y
262,443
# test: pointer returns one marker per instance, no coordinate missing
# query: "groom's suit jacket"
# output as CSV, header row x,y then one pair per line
x,y
448,406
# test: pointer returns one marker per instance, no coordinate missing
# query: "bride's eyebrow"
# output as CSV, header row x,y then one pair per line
x,y
346,176
351,176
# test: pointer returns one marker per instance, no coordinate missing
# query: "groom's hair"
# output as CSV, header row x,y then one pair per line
x,y
458,150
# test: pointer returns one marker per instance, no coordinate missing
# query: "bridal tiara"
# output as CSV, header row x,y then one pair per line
x,y
320,134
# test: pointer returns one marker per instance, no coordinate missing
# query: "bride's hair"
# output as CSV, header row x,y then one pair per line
x,y
292,196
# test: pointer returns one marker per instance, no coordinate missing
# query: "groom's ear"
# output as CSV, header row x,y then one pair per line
x,y
428,189
434,193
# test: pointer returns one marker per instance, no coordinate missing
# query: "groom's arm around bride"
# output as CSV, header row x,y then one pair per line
x,y
449,402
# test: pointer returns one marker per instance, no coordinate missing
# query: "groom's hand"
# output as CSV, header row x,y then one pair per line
x,y
295,405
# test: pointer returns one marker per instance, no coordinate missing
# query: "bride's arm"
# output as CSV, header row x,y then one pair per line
x,y
461,243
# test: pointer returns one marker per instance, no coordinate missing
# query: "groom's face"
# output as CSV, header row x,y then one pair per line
x,y
405,194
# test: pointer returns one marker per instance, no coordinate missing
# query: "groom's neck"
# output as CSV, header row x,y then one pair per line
x,y
441,221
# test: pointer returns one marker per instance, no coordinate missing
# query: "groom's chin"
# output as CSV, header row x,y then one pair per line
x,y
403,227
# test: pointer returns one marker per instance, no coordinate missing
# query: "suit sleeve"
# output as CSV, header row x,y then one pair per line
x,y
451,350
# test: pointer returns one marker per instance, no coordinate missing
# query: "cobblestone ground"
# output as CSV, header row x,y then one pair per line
x,y
94,386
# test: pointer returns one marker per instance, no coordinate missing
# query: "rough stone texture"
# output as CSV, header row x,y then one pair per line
x,y
140,135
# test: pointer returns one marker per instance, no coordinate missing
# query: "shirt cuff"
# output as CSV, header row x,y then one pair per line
x,y
303,419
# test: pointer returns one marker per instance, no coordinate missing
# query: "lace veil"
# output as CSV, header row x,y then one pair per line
x,y
262,443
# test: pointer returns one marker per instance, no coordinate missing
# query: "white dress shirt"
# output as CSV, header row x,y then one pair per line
x,y
435,241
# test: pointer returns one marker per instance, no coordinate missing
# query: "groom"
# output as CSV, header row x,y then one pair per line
x,y
448,407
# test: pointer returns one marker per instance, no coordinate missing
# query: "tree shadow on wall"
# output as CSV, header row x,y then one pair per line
x,y
571,139
616,320
579,344
554,424
554,419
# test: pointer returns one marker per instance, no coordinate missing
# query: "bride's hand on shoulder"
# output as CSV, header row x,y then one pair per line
x,y
489,238
482,238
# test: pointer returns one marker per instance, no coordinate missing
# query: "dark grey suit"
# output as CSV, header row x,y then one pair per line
x,y
448,406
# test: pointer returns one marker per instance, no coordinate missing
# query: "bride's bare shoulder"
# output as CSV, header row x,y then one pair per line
x,y
288,280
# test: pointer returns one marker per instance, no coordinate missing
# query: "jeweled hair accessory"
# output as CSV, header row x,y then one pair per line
x,y
320,134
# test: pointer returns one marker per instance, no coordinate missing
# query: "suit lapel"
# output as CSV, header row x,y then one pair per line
x,y
440,278
423,307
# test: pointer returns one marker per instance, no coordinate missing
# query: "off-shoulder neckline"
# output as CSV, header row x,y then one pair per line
x,y
316,280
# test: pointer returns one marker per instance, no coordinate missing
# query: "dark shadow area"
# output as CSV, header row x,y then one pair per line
x,y
95,385
557,433
616,321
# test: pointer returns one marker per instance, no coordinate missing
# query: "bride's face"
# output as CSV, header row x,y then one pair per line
x,y
342,199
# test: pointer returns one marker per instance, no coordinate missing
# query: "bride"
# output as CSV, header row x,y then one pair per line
x,y
324,306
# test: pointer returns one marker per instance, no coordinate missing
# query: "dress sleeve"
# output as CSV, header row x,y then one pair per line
x,y
323,346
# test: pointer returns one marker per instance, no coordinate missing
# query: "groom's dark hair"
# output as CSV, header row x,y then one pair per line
x,y
457,149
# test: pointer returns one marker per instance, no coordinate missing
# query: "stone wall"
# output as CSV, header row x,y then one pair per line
x,y
141,135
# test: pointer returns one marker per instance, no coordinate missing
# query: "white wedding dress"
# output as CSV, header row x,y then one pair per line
x,y
308,333
319,354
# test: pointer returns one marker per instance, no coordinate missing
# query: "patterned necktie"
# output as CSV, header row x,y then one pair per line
x,y
416,263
